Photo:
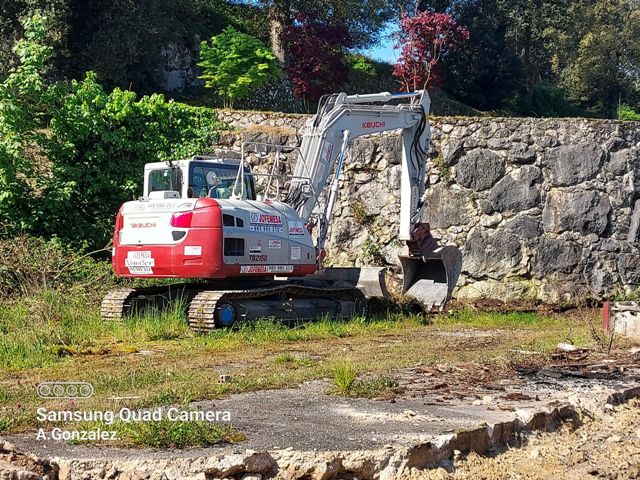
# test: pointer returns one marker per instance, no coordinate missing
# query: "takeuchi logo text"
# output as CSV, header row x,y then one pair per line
x,y
375,124
143,225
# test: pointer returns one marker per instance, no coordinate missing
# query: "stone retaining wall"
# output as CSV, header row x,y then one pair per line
x,y
541,208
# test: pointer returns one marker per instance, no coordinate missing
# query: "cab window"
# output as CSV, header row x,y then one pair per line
x,y
216,181
165,179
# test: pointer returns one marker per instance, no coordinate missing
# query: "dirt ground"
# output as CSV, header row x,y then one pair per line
x,y
608,448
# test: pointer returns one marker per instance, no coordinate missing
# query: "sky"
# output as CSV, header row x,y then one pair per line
x,y
384,51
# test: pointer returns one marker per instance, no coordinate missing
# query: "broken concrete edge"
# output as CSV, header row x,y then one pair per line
x,y
622,318
388,463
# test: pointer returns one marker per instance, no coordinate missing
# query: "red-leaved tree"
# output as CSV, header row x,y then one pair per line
x,y
423,39
315,56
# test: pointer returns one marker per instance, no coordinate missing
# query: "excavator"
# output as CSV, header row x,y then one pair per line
x,y
245,255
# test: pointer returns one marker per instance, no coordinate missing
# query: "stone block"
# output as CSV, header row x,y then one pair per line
x,y
517,191
575,163
576,210
479,169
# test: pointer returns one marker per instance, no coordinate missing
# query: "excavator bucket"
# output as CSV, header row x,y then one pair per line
x,y
428,279
431,278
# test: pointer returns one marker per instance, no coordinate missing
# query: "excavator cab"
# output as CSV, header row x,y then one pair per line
x,y
200,177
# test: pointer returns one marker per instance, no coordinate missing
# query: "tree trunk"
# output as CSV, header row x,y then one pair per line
x,y
279,17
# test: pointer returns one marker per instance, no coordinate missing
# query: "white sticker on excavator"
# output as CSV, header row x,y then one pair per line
x,y
195,250
139,262
266,269
296,228
273,244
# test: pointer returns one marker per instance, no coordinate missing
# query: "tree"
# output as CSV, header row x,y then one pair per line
x,y
316,62
424,39
23,97
71,154
487,70
235,64
128,43
597,57
363,20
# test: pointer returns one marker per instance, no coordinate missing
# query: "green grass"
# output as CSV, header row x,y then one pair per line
x,y
473,319
50,337
164,433
344,376
42,330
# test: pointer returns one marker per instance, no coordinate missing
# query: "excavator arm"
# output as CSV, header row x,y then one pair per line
x,y
430,272
340,119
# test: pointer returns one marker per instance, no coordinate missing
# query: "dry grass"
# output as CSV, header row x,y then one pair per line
x,y
157,361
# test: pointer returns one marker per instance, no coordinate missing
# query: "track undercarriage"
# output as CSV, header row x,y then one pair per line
x,y
207,308
333,293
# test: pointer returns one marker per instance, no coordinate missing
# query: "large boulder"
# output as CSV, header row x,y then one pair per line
x,y
578,210
517,191
491,255
556,255
479,169
446,207
572,164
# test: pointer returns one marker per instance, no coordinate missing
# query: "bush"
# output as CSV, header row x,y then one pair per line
x,y
32,264
625,112
70,155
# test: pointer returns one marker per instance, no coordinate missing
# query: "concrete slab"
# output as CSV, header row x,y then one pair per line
x,y
308,419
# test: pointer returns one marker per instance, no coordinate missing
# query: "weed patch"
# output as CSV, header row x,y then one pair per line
x,y
347,383
344,376
293,360
165,433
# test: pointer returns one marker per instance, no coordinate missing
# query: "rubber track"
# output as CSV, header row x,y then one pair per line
x,y
116,304
202,309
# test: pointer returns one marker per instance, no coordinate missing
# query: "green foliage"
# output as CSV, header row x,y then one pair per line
x,y
236,64
371,252
553,57
367,75
344,376
595,53
32,264
101,142
361,65
69,156
625,112
545,100
128,43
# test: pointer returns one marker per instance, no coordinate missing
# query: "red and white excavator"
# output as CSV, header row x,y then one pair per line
x,y
261,257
